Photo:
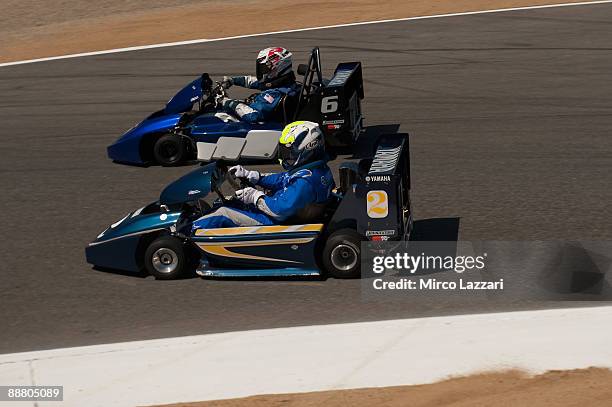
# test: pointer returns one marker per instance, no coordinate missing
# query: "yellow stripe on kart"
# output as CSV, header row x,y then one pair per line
x,y
221,249
251,230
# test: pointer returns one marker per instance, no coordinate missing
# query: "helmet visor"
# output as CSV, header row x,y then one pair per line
x,y
261,69
285,156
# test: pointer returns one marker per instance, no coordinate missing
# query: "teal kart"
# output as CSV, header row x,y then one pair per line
x,y
372,202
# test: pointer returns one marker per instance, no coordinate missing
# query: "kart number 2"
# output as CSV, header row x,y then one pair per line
x,y
377,204
329,104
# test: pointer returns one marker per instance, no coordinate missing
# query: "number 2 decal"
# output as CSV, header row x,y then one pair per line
x,y
377,204
329,104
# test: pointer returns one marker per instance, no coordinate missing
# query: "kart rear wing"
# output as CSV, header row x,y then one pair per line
x,y
334,104
341,116
378,203
387,190
391,159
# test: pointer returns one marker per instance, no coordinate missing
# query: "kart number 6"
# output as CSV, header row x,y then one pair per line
x,y
329,104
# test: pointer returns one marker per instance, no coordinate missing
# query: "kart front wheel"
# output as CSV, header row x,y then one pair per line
x,y
165,258
170,150
342,254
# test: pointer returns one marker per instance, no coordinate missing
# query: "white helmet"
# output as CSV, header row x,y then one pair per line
x,y
272,63
300,143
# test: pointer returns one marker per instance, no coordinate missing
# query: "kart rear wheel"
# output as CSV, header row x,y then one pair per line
x,y
342,254
165,258
170,150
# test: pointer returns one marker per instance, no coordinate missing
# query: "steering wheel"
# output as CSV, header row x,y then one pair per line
x,y
213,94
238,183
235,183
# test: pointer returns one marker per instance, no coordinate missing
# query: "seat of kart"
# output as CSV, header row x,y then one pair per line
x,y
314,213
285,110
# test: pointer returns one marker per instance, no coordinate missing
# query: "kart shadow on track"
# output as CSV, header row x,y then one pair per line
x,y
576,271
436,230
443,231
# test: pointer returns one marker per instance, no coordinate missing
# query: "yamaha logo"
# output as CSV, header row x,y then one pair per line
x,y
383,178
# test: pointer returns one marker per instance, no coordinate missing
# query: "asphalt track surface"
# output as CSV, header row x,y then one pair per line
x,y
510,115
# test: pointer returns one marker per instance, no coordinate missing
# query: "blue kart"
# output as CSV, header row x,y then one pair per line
x,y
372,202
191,126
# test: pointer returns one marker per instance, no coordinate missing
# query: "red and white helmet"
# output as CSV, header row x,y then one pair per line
x,y
272,63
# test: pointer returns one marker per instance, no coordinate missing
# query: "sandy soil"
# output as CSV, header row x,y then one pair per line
x,y
574,388
39,28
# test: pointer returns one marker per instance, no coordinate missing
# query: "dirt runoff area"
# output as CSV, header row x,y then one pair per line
x,y
570,388
41,28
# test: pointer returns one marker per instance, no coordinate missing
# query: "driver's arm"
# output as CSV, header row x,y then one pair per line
x,y
247,81
286,202
272,182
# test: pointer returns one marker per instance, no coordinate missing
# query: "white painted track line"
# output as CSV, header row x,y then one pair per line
x,y
203,40
312,358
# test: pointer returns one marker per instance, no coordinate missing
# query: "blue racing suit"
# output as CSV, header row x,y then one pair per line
x,y
262,107
289,192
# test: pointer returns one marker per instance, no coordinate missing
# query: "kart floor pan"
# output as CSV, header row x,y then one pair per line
x,y
247,273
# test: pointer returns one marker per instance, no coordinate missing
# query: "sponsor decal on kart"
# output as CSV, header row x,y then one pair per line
x,y
388,232
340,77
378,178
339,121
385,160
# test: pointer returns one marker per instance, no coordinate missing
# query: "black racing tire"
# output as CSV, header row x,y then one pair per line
x,y
165,258
170,150
342,254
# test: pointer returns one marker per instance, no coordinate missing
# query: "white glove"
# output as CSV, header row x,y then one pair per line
x,y
249,195
240,172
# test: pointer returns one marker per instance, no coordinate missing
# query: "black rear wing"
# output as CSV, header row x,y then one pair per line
x,y
387,190
391,159
376,202
334,104
341,116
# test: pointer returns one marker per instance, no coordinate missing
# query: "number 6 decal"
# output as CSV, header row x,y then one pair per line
x,y
329,104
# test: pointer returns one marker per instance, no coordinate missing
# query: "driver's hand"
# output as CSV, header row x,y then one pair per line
x,y
227,82
238,171
249,195
220,101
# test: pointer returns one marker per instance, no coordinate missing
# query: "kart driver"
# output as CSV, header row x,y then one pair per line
x,y
307,181
275,78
